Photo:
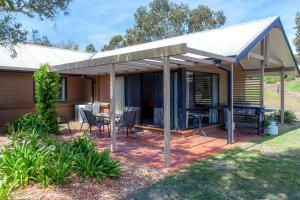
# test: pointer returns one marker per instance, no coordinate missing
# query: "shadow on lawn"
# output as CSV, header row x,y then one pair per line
x,y
234,174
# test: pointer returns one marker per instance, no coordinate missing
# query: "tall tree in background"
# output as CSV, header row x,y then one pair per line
x,y
297,38
68,45
90,48
114,43
37,39
164,19
11,31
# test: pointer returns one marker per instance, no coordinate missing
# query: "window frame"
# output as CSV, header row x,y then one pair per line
x,y
63,90
208,73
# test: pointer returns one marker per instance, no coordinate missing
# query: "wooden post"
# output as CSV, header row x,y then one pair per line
x,y
230,138
282,97
167,148
262,72
112,109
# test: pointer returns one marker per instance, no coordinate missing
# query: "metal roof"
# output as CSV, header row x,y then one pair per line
x,y
234,44
238,44
30,56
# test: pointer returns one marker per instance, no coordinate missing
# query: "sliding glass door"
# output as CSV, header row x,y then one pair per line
x,y
202,98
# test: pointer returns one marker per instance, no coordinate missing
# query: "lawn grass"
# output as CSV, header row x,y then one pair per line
x,y
272,100
293,86
265,169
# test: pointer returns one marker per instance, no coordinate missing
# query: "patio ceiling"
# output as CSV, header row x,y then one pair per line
x,y
180,55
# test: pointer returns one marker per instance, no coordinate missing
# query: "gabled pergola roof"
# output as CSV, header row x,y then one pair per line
x,y
232,44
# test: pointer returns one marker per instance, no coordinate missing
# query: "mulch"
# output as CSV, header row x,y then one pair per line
x,y
133,178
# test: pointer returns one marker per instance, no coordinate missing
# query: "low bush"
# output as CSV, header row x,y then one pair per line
x,y
61,164
290,77
5,187
97,165
21,136
26,123
33,158
24,162
289,117
268,120
83,145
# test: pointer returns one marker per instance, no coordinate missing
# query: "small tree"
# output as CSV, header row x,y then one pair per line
x,y
47,92
90,48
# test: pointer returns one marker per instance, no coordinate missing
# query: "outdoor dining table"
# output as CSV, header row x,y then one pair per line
x,y
107,115
200,117
101,117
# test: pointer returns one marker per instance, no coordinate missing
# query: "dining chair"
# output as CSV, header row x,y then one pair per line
x,y
96,107
127,122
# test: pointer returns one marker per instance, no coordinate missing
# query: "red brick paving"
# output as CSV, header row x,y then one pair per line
x,y
148,148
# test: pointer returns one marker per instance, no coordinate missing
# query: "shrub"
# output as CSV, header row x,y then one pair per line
x,y
97,165
268,119
47,92
83,145
289,117
25,162
290,77
5,187
61,164
27,122
36,158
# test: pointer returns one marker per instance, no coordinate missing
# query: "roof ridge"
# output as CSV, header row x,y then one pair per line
x,y
195,33
234,25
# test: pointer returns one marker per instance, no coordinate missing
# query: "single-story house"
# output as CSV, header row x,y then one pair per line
x,y
17,84
208,77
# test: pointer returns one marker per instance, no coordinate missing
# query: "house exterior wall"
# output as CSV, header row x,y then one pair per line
x,y
102,84
102,93
16,95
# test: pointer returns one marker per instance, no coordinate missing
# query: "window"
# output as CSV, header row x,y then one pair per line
x,y
62,92
202,89
202,97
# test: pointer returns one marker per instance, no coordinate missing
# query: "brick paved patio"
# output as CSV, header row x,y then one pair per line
x,y
148,148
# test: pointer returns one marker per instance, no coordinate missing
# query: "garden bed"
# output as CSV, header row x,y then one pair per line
x,y
133,177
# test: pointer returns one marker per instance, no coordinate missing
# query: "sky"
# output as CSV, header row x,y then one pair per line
x,y
96,21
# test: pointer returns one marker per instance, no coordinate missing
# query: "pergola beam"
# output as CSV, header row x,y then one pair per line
x,y
118,67
192,59
125,57
261,58
178,62
141,65
156,62
210,55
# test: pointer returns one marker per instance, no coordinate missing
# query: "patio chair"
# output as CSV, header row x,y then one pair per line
x,y
127,122
64,120
90,119
96,107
